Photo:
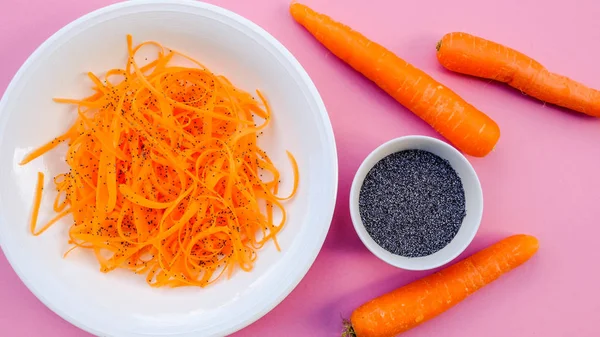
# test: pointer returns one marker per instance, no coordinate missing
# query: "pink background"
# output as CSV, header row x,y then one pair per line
x,y
542,179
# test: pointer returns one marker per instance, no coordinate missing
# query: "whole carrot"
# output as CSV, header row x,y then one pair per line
x,y
471,55
417,302
467,128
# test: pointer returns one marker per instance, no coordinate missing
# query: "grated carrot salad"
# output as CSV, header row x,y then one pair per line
x,y
165,173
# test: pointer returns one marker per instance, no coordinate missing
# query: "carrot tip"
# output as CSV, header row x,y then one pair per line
x,y
296,10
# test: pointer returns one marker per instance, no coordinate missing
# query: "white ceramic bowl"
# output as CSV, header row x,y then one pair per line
x,y
120,303
473,199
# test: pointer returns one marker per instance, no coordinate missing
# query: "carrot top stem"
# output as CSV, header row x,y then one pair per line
x,y
348,329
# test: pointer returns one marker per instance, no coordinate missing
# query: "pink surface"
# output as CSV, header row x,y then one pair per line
x,y
542,178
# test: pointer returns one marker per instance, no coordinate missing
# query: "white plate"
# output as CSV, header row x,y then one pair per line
x,y
120,303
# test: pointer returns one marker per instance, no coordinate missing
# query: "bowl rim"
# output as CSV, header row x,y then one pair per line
x,y
359,227
314,95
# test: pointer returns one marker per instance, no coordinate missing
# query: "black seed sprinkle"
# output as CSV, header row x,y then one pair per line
x,y
412,203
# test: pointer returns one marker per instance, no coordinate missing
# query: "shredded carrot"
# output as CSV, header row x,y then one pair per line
x,y
165,173
37,200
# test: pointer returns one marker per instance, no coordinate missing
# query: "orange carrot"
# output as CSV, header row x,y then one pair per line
x,y
471,55
165,173
37,201
424,299
463,125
